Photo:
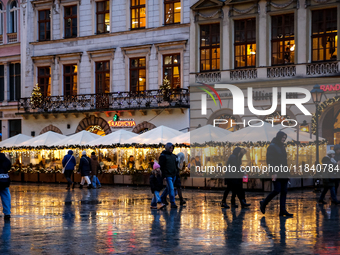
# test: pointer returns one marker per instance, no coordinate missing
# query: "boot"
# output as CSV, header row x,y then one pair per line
x,y
89,186
322,202
68,188
182,202
286,214
73,184
262,207
81,186
244,204
165,202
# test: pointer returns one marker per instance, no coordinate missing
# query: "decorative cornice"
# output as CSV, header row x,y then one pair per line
x,y
233,9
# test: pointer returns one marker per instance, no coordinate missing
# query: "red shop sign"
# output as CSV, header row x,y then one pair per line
x,y
334,87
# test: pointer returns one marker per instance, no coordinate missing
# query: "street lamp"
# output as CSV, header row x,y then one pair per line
x,y
316,95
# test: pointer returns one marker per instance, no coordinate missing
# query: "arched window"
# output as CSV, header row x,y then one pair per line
x,y
13,17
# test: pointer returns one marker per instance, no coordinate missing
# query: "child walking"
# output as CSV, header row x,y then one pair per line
x,y
156,184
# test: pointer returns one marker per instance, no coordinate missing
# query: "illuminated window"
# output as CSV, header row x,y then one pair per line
x,y
44,80
245,43
103,77
324,35
138,16
44,25
210,47
103,17
283,43
96,130
172,11
137,74
171,69
70,80
70,21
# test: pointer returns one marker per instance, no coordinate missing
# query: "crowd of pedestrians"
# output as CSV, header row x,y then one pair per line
x,y
168,168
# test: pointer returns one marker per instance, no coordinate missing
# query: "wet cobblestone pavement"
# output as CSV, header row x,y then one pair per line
x,y
47,219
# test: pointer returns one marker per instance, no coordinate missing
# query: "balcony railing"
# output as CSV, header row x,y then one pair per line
x,y
1,40
281,71
326,68
208,77
243,74
12,37
149,99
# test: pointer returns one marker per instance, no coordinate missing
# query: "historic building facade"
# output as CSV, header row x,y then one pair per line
x,y
266,44
10,67
96,60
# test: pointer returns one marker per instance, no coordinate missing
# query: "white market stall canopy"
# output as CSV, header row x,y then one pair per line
x,y
161,134
80,138
209,133
183,138
120,136
303,136
45,139
15,140
265,133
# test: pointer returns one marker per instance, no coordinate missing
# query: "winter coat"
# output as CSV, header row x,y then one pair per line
x,y
156,183
85,166
5,166
329,182
167,161
277,155
95,165
72,163
234,161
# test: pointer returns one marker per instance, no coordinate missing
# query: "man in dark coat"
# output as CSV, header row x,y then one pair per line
x,y
329,183
167,161
69,163
85,170
5,166
95,167
277,156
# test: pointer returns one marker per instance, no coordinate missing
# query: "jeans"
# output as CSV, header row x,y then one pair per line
x,y
6,201
333,193
280,186
85,178
95,181
68,174
169,189
156,199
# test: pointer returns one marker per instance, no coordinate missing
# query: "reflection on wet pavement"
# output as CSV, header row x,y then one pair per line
x,y
47,219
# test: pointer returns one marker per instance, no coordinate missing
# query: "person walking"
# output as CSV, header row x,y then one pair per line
x,y
329,183
85,170
5,166
235,185
156,185
69,163
95,167
277,156
168,164
178,184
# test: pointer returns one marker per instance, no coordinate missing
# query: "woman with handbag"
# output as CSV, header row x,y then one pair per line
x,y
69,163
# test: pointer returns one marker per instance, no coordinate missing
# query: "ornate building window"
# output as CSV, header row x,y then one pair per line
x,y
103,17
138,14
13,17
210,47
137,74
171,69
324,34
1,22
70,80
2,83
172,11
70,21
103,77
44,25
44,80
283,43
14,82
245,43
